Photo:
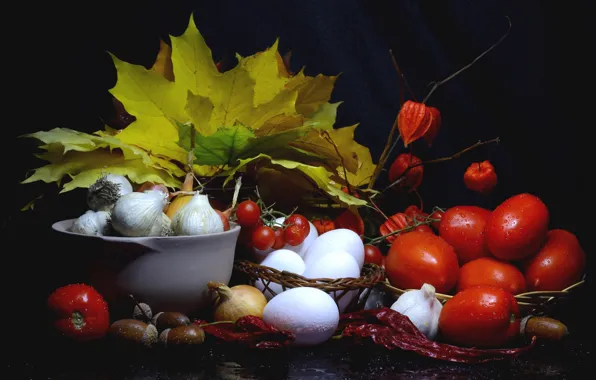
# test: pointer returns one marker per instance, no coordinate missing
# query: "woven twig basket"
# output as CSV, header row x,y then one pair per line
x,y
337,288
535,303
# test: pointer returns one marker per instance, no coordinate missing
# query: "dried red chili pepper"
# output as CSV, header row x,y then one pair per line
x,y
390,329
413,177
323,225
351,220
249,331
480,177
395,222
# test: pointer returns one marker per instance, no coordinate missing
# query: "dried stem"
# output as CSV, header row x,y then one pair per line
x,y
403,78
343,165
437,84
442,159
384,155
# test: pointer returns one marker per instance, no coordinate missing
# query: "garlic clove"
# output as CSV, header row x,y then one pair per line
x,y
92,223
103,194
141,214
422,308
197,217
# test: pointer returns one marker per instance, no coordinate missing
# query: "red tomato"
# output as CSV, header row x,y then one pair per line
x,y
438,214
82,313
350,220
280,241
418,257
424,228
559,264
463,228
248,213
493,272
517,227
480,177
263,237
372,255
297,229
483,316
413,176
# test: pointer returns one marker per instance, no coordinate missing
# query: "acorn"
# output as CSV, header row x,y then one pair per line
x,y
169,319
142,312
182,336
133,330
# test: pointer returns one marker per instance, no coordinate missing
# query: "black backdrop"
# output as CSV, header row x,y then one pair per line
x,y
524,91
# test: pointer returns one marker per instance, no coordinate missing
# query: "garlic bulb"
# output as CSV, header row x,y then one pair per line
x,y
92,223
140,214
197,217
103,194
422,307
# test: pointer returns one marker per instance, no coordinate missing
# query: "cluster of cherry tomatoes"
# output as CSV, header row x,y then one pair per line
x,y
262,231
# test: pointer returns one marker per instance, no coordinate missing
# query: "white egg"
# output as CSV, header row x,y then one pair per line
x,y
260,255
309,313
340,239
282,259
336,264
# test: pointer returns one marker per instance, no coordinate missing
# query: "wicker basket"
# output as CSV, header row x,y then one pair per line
x,y
535,303
337,288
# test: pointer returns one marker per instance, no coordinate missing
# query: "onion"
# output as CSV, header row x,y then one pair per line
x,y
237,302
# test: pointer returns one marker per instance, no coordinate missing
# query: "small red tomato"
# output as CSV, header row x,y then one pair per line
x,y
395,222
559,264
483,316
248,213
437,214
372,255
350,220
480,177
82,313
517,227
297,229
417,257
323,225
263,237
463,228
280,241
413,176
492,272
424,228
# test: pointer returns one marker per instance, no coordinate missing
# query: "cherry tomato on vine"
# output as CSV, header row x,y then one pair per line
x,y
437,214
280,241
297,229
263,238
373,255
248,213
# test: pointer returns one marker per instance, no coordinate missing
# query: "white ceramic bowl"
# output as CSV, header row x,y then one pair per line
x,y
169,273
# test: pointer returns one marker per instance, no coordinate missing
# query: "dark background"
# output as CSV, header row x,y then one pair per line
x,y
529,91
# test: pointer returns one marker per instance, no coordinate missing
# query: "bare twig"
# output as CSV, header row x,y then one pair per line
x,y
327,137
403,78
442,159
437,84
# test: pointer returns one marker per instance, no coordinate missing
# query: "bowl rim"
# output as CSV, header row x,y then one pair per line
x,y
61,227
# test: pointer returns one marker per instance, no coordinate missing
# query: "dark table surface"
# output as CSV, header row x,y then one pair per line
x,y
56,359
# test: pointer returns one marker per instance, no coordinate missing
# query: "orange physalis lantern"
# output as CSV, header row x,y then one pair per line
x,y
415,120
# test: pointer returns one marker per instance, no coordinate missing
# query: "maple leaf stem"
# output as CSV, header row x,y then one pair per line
x,y
403,80
441,159
343,165
436,85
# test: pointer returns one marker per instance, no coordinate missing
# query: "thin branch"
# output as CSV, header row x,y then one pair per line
x,y
442,159
384,155
437,84
403,78
341,158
